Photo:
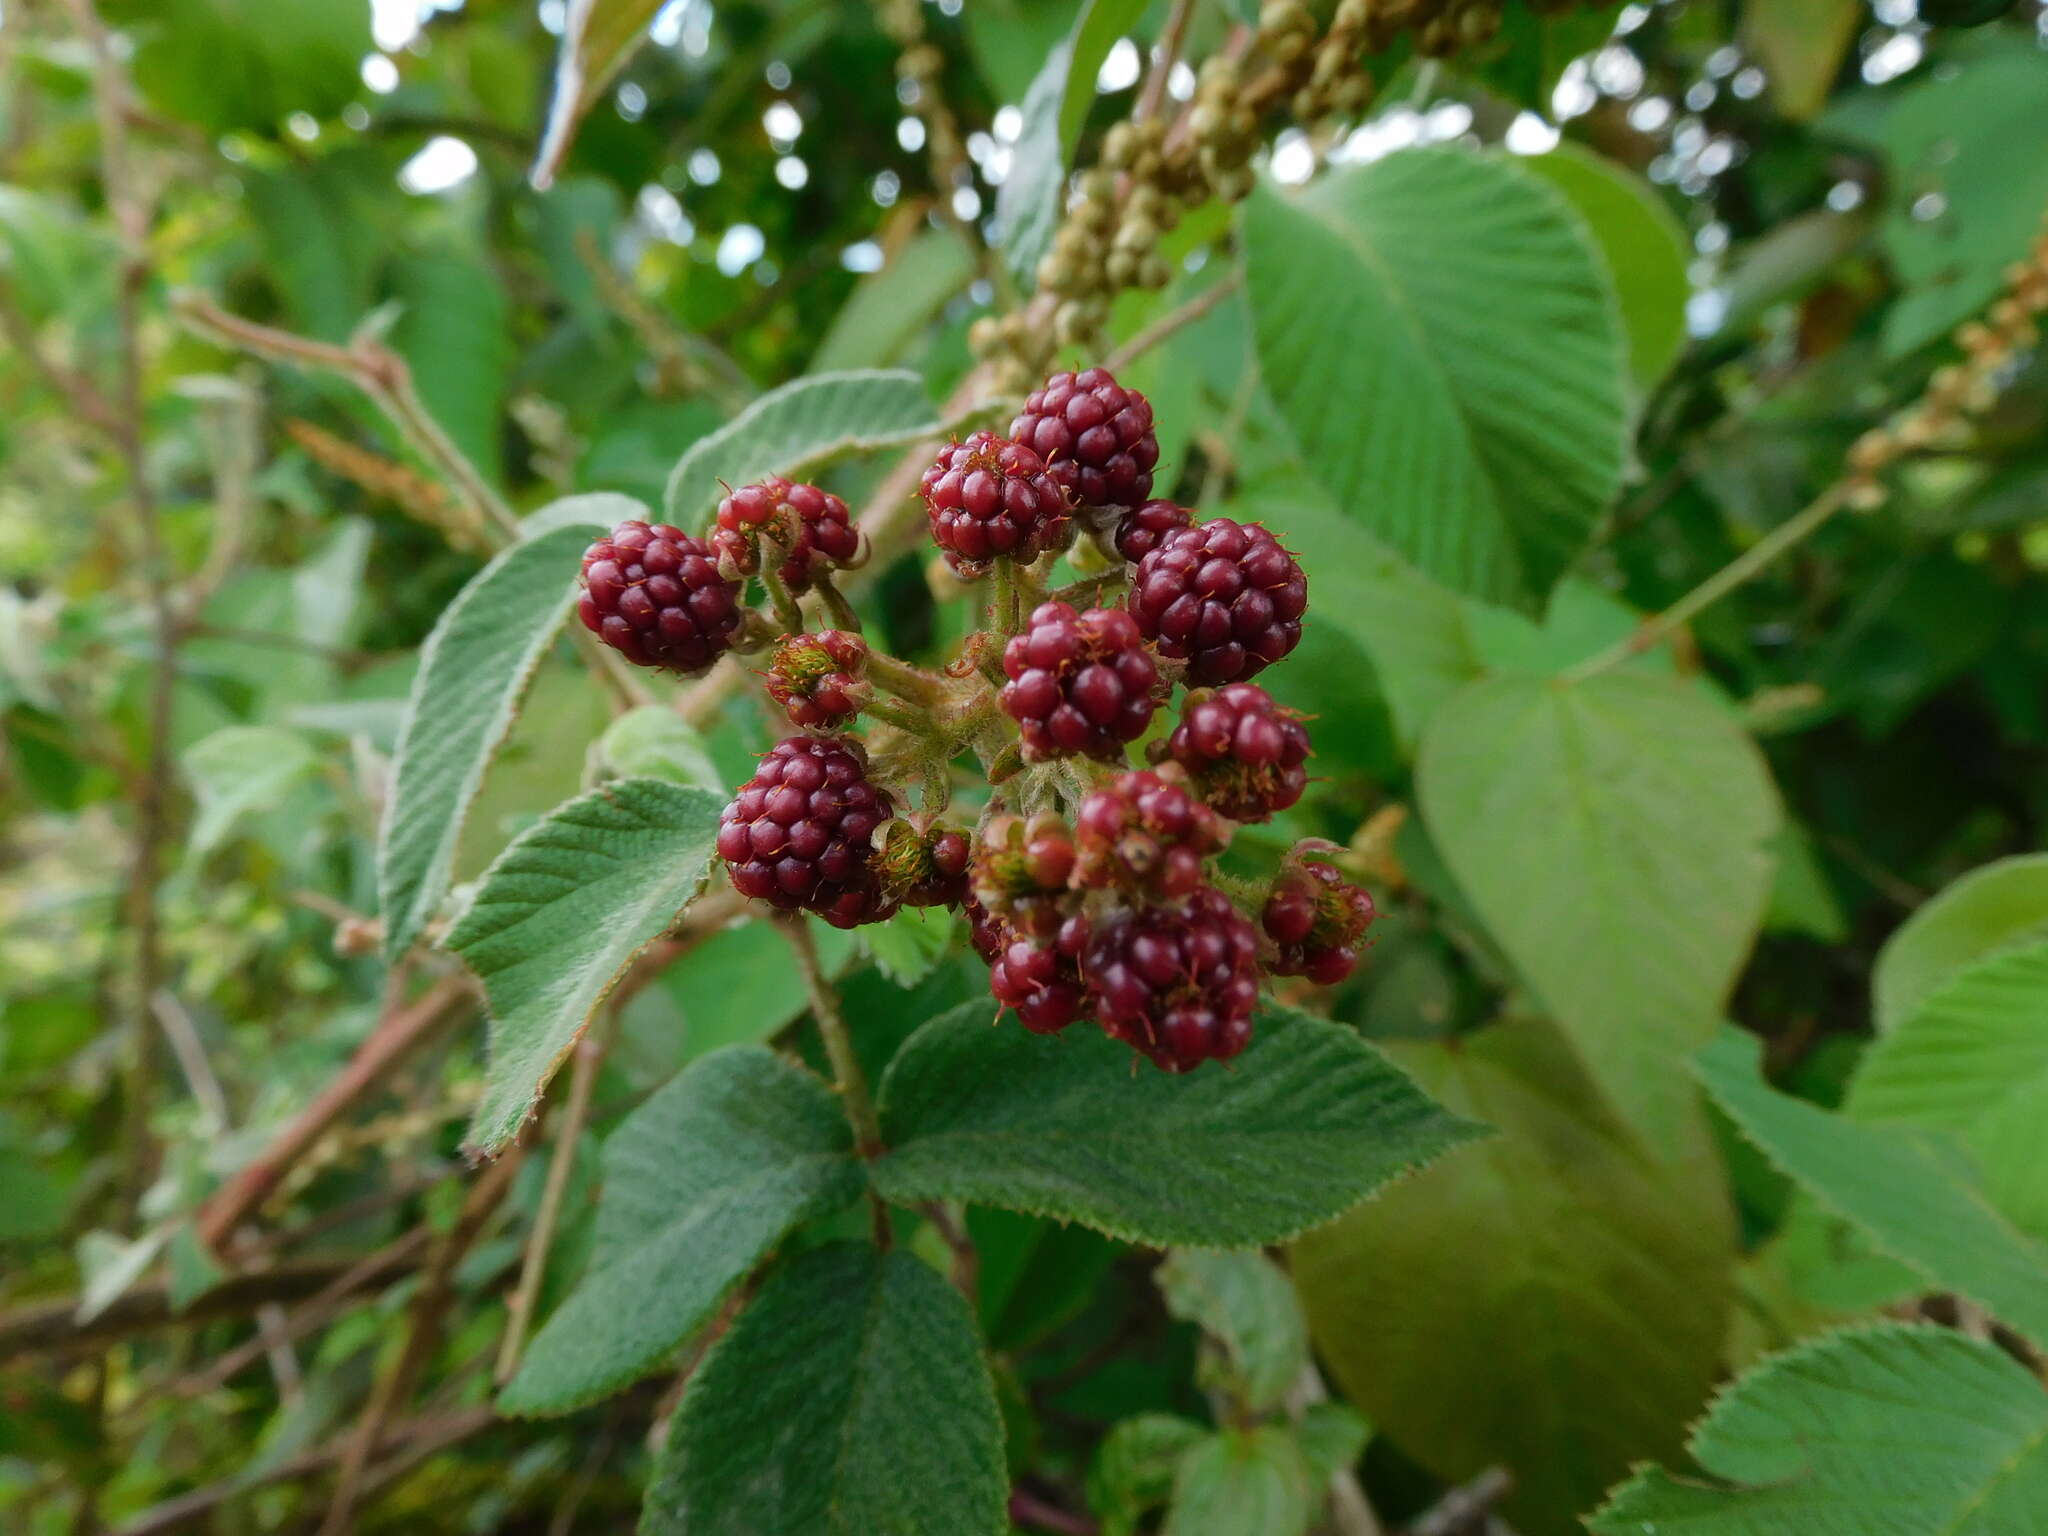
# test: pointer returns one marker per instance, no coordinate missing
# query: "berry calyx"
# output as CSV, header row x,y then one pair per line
x,y
1222,596
1176,982
924,866
800,833
987,497
1080,684
1139,530
1244,752
1145,834
1315,918
817,530
816,678
1094,435
653,594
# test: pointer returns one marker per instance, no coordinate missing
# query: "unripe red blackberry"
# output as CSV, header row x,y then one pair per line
x,y
800,833
1223,597
1021,872
987,497
1145,834
1080,683
818,531
1315,918
926,866
653,594
1244,753
1177,982
1139,530
1040,978
1094,435
816,678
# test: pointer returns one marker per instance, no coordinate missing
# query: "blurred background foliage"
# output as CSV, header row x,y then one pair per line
x,y
1797,201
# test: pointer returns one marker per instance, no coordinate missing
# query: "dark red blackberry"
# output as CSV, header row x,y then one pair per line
x,y
1145,834
1243,752
1080,683
1021,872
1177,982
1315,918
800,834
653,594
1094,435
816,678
988,497
1040,978
1223,597
819,531
1139,530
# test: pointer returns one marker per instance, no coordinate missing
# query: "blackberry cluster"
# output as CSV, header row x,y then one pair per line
x,y
815,529
1081,684
1103,901
653,594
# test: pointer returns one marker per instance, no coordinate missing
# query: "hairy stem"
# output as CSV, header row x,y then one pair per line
x,y
846,1069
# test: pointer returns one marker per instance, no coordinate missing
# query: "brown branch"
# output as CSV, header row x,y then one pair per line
x,y
1457,1512
402,1031
52,1327
405,1445
1167,324
431,1305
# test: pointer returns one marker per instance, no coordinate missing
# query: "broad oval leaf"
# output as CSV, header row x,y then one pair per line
x,y
561,914
238,771
798,427
1645,247
1307,1122
2001,904
598,37
699,1183
1032,197
1242,1481
1615,837
851,1398
1480,427
1972,1059
473,672
1243,1301
1913,1431
1914,1193
1552,1300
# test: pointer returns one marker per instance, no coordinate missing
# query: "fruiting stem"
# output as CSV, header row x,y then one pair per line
x,y
916,723
1717,586
1009,609
787,614
835,603
904,680
846,1071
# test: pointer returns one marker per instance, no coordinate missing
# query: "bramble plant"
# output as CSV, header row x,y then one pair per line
x,y
678,846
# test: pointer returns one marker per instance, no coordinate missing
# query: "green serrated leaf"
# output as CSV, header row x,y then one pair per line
x,y
1242,1481
699,1182
2002,904
1308,1121
1244,1302
909,944
850,1399
1135,1464
1911,1431
1914,1193
796,428
1332,1437
1481,442
560,916
1614,834
1645,247
654,742
238,771
1552,1300
598,36
1972,1059
1032,197
473,671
